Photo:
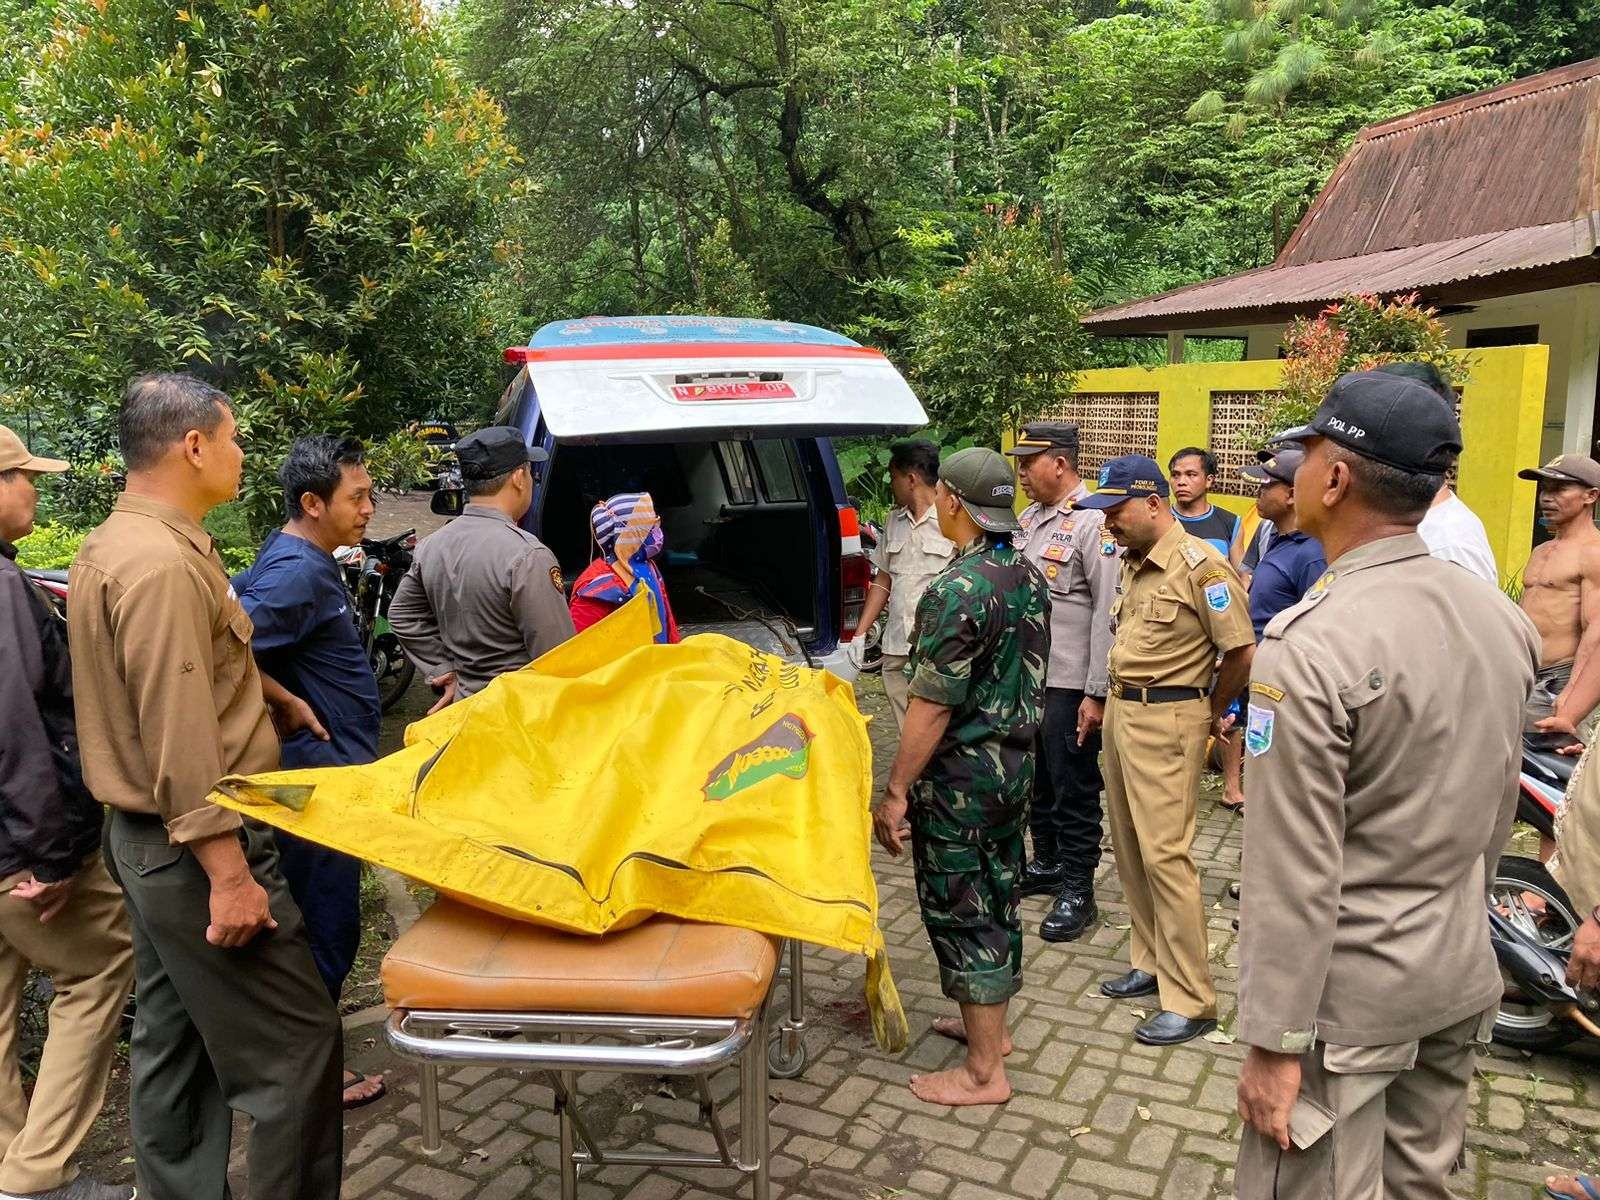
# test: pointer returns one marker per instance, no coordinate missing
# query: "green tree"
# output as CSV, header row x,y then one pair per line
x,y
1001,340
299,199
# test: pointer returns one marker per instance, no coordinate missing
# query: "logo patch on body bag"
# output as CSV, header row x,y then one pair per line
x,y
1258,730
1218,597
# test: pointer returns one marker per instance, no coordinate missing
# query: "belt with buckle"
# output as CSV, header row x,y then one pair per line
x,y
1157,695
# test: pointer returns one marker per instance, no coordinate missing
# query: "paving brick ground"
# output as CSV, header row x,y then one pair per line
x,y
1095,1114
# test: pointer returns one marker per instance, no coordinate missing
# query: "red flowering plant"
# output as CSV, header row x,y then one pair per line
x,y
1356,334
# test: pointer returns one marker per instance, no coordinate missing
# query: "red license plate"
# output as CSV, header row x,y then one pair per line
x,y
731,390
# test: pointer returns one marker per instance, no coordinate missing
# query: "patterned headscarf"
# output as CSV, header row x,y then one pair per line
x,y
628,532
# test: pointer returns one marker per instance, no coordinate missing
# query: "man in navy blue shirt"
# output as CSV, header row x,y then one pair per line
x,y
1293,560
306,645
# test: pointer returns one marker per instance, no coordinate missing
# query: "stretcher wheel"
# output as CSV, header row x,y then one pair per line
x,y
785,1066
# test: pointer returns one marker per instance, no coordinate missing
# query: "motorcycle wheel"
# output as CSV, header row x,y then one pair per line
x,y
394,672
873,662
1523,1025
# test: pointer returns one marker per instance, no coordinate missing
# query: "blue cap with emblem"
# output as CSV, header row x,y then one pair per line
x,y
1130,477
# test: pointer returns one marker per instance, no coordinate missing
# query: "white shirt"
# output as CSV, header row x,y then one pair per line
x,y
1454,533
914,553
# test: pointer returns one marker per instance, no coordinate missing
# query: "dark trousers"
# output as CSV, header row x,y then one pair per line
x,y
326,885
215,1030
1067,785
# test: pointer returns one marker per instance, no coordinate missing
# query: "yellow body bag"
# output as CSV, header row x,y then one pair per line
x,y
615,778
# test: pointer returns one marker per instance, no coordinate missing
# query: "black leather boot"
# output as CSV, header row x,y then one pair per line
x,y
1073,913
1044,872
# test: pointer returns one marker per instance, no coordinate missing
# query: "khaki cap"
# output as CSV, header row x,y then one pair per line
x,y
1568,468
14,456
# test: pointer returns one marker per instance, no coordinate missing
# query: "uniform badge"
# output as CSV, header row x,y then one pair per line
x,y
1218,596
1108,547
1052,570
1258,730
1320,586
1056,552
555,578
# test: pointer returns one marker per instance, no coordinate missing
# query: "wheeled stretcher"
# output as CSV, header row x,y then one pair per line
x,y
666,997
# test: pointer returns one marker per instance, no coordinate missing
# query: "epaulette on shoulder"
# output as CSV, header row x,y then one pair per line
x,y
1314,596
1193,553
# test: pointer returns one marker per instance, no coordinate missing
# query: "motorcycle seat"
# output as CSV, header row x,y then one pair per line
x,y
1560,766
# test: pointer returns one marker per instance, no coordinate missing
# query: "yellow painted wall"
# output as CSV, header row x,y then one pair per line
x,y
1502,421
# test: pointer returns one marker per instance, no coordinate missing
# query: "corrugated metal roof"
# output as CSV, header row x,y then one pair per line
x,y
1271,292
1500,183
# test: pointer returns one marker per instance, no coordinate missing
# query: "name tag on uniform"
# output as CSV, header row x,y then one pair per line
x,y
1056,552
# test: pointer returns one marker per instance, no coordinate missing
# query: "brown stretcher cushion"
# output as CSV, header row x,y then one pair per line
x,y
459,957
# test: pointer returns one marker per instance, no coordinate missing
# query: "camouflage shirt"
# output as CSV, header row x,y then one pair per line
x,y
981,648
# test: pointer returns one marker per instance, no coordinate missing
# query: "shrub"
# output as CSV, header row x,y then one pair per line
x,y
1356,334
50,547
399,462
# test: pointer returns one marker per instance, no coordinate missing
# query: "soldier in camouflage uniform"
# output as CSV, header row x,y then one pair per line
x,y
961,780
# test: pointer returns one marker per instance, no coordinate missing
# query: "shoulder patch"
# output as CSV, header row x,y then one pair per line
x,y
1258,730
1257,688
1108,546
1317,589
555,578
1213,576
1219,596
1192,553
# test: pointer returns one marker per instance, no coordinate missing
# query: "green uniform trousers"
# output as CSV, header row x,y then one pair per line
x,y
216,1030
967,890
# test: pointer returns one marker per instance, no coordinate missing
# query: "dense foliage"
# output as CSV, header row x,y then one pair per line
x,y
843,154
298,198
342,209
1356,334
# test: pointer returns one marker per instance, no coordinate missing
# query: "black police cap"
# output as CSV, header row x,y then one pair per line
x,y
1400,422
493,451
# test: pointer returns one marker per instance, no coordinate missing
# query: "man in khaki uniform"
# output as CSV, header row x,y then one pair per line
x,y
59,910
1377,808
232,1014
1079,561
1180,606
912,554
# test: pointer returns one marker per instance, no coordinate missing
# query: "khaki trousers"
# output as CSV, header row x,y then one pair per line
x,y
1154,756
1371,1123
896,686
85,951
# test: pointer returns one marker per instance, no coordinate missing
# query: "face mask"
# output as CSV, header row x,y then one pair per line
x,y
653,543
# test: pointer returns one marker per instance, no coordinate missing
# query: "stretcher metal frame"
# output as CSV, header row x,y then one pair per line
x,y
561,1045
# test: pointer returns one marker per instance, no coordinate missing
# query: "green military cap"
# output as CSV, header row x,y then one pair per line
x,y
986,486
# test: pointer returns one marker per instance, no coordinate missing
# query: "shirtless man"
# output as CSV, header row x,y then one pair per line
x,y
1561,591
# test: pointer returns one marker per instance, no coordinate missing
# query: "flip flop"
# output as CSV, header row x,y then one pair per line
x,y
383,1090
1586,1182
1236,807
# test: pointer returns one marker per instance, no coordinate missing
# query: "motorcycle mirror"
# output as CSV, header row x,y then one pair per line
x,y
448,502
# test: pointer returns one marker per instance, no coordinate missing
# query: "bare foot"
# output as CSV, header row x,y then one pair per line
x,y
958,1086
952,1028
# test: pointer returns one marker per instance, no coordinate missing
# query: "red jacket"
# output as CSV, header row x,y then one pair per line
x,y
586,610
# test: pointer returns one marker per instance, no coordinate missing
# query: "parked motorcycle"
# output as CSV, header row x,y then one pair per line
x,y
1532,921
873,662
53,584
372,574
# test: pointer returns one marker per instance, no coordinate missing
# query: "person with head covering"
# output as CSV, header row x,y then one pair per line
x,y
628,534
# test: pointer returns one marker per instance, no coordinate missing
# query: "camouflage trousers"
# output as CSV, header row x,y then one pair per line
x,y
967,889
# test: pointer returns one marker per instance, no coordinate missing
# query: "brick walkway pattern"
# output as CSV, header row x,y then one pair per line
x,y
1096,1116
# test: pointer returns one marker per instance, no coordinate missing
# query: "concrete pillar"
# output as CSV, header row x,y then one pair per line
x,y
1174,347
1583,371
